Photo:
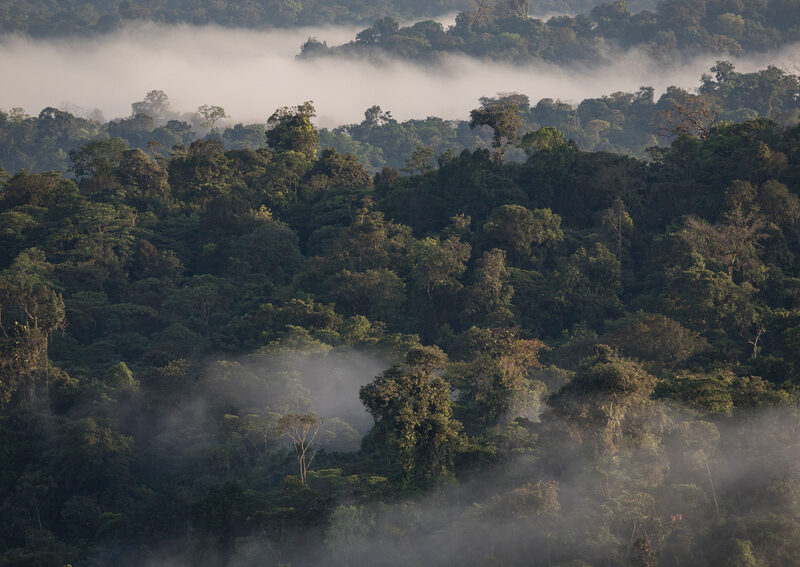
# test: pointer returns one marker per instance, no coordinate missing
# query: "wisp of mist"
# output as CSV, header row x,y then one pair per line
x,y
251,73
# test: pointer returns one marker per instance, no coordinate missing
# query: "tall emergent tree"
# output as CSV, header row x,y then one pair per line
x,y
211,114
502,116
412,409
290,129
302,429
30,310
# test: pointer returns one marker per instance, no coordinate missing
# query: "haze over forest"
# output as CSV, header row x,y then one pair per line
x,y
329,283
250,73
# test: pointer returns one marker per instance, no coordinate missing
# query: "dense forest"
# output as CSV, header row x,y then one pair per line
x,y
589,32
272,357
53,18
503,31
546,334
627,123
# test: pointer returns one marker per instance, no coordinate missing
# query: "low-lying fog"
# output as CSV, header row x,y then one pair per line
x,y
250,73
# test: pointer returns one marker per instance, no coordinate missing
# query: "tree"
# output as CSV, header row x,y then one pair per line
x,y
154,105
411,406
259,428
490,291
608,398
688,115
495,384
383,28
290,129
98,158
544,139
30,311
211,114
201,301
343,171
348,533
302,429
643,554
742,554
118,377
421,161
504,120
515,228
378,294
731,247
374,117
705,394
38,189
18,115
586,287
369,242
437,265
144,181
200,172
616,223
654,338
722,267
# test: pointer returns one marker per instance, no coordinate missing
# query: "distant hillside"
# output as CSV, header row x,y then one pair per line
x,y
48,18
503,31
620,122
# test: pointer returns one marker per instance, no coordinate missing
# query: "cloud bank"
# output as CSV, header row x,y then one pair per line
x,y
250,73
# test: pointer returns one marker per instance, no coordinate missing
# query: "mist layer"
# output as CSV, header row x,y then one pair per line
x,y
250,73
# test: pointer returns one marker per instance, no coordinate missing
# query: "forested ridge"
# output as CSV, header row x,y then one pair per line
x,y
271,356
586,31
502,31
60,18
627,123
64,18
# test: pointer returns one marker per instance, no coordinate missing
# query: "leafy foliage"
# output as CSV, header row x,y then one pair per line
x,y
577,359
